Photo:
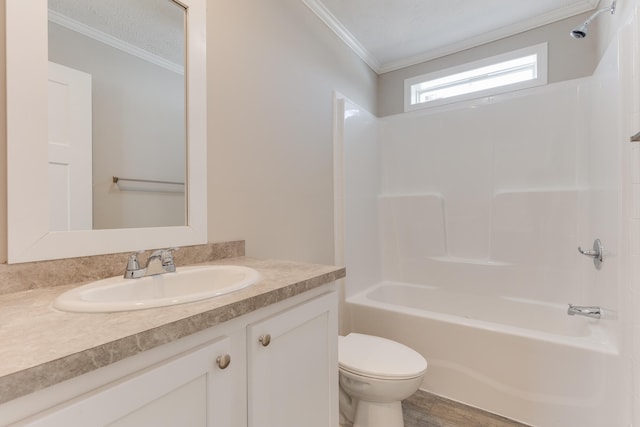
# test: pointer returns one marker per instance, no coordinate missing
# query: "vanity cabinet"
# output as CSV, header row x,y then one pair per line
x,y
292,366
188,390
276,366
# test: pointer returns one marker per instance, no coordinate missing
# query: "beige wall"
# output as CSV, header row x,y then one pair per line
x,y
3,139
568,59
272,70
273,67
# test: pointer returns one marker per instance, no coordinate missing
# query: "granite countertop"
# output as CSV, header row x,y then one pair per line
x,y
42,346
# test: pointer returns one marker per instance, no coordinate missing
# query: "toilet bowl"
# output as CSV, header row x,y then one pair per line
x,y
375,375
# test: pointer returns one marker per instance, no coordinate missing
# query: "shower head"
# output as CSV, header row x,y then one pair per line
x,y
580,31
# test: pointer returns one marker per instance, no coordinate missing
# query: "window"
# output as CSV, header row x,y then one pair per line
x,y
503,73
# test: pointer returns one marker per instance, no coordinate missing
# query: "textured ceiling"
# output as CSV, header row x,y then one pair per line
x,y
391,34
387,34
156,26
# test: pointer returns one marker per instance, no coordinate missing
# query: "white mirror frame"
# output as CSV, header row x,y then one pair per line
x,y
29,238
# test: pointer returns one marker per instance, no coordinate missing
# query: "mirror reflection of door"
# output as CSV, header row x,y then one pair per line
x,y
69,149
134,52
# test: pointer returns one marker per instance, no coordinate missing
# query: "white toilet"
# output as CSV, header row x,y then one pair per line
x,y
375,375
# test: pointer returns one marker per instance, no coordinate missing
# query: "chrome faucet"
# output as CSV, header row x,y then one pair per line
x,y
159,262
588,311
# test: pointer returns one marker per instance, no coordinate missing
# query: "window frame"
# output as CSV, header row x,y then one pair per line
x,y
540,50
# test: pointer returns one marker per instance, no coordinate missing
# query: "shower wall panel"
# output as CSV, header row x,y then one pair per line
x,y
485,194
358,146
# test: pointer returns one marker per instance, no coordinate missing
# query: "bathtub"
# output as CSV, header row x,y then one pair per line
x,y
522,359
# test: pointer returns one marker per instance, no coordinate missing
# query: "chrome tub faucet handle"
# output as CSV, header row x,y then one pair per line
x,y
597,253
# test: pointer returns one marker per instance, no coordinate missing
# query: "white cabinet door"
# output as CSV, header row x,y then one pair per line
x,y
293,366
190,389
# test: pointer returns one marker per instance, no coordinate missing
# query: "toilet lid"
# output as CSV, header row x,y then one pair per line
x,y
377,357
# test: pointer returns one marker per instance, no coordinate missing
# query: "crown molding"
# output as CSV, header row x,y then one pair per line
x,y
336,26
112,41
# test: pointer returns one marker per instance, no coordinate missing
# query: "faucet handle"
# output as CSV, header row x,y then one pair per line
x,y
597,253
133,264
167,258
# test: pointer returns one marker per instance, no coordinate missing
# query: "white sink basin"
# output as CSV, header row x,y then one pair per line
x,y
187,284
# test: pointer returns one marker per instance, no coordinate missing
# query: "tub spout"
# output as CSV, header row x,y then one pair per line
x,y
588,311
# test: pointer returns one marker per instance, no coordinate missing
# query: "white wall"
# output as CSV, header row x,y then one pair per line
x,y
273,67
614,164
611,200
623,55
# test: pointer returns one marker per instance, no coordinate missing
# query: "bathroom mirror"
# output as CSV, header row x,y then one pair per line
x,y
116,109
31,235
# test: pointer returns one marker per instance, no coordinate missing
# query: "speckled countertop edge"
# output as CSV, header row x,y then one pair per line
x,y
42,346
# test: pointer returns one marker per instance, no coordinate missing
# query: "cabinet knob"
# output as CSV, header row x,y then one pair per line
x,y
265,339
223,361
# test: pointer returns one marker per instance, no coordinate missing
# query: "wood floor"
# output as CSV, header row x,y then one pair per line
x,y
427,410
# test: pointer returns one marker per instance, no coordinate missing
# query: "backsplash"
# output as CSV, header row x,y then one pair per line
x,y
44,274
